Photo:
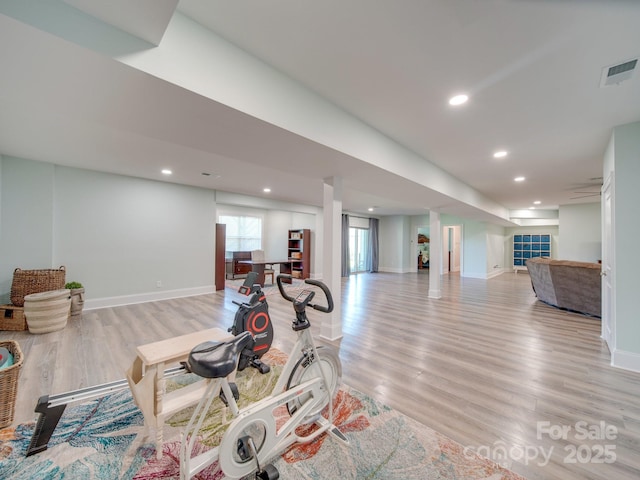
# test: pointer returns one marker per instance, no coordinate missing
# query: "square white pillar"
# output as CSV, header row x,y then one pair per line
x,y
331,328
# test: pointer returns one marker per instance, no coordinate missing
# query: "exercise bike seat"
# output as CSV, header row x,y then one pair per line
x,y
218,359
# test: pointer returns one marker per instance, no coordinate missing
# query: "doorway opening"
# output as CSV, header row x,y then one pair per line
x,y
423,249
358,247
451,248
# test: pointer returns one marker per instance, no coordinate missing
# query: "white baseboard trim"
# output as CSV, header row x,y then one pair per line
x,y
106,302
485,276
494,273
391,270
625,360
481,276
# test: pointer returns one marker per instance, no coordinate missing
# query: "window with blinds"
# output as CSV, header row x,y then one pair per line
x,y
244,233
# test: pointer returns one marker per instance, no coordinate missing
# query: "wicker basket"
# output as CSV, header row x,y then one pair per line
x,y
12,318
26,282
47,311
9,383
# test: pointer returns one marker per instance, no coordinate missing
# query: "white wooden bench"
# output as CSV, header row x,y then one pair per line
x,y
146,378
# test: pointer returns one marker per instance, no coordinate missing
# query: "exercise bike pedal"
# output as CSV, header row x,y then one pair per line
x,y
234,390
261,366
246,450
268,473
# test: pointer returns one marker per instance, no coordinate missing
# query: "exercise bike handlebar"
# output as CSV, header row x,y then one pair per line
x,y
317,283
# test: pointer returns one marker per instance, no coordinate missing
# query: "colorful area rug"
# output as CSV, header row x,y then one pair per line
x,y
100,440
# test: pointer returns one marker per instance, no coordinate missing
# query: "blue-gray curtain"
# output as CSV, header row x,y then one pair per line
x,y
345,245
372,254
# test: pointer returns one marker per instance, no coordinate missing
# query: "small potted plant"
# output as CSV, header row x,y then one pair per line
x,y
77,297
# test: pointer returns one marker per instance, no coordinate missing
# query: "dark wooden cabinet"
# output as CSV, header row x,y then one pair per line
x,y
235,269
220,259
299,248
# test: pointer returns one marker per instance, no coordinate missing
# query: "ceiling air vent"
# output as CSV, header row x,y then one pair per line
x,y
618,73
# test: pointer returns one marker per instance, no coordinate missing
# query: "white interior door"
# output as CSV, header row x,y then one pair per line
x,y
608,304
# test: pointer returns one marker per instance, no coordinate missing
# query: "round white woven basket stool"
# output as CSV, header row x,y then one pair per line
x,y
47,311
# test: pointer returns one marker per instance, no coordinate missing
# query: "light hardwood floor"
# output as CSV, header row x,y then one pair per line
x,y
486,365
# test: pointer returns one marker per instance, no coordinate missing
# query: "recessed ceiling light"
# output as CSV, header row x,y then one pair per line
x,y
266,190
537,202
166,171
518,179
532,208
370,209
500,154
458,100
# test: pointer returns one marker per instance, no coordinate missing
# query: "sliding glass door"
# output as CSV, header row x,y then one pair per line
x,y
358,242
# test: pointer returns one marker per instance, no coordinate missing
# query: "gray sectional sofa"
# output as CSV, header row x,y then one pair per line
x,y
567,284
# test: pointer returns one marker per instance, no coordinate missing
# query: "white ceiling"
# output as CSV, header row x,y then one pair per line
x,y
532,69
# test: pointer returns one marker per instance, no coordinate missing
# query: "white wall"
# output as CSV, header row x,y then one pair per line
x,y
117,235
581,232
395,244
496,247
390,239
121,235
26,192
474,249
276,225
626,169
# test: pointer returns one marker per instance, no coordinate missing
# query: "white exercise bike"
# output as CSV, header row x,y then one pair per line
x,y
307,384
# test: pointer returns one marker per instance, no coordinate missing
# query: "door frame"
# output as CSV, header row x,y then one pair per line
x,y
415,244
608,263
353,253
456,252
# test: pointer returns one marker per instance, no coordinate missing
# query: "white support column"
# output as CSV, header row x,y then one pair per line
x,y
318,253
332,245
435,254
